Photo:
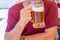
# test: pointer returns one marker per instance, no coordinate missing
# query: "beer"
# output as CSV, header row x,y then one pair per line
x,y
38,17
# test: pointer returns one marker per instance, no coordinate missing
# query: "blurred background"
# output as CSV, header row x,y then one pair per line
x,y
4,7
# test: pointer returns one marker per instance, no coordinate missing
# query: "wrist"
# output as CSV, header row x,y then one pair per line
x,y
20,26
18,29
22,22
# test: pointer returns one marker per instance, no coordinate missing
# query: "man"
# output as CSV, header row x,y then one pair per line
x,y
19,24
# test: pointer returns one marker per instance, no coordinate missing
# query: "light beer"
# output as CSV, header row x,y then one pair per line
x,y
38,17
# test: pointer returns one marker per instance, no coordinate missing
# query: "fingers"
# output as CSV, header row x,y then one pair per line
x,y
25,13
28,18
29,7
26,9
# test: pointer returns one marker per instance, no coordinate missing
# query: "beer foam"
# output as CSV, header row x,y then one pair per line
x,y
38,9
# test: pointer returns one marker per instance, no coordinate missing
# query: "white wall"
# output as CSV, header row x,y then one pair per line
x,y
3,23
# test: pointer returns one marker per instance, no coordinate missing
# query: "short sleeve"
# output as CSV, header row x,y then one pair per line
x,y
13,17
51,19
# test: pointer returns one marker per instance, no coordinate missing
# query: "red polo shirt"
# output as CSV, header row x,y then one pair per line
x,y
51,18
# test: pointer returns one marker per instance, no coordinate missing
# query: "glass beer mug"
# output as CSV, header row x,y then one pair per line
x,y
38,15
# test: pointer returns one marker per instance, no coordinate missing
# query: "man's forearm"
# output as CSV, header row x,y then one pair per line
x,y
50,34
15,33
40,36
